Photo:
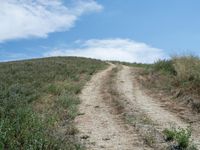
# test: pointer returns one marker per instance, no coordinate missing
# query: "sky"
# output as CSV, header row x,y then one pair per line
x,y
126,30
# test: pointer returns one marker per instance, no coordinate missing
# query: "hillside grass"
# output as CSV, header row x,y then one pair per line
x,y
142,65
38,101
179,76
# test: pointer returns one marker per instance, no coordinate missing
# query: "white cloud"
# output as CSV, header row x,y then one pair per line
x,y
37,18
113,49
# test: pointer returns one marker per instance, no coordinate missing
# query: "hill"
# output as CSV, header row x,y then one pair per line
x,y
38,98
43,104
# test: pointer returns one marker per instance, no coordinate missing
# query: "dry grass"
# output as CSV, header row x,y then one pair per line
x,y
187,68
179,77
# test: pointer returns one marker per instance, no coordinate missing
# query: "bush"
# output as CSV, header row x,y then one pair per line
x,y
183,137
164,66
170,134
180,136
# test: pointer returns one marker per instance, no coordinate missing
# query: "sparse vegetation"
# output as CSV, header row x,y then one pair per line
x,y
38,97
149,139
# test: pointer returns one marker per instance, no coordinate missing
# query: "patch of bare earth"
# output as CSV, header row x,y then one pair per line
x,y
151,108
99,126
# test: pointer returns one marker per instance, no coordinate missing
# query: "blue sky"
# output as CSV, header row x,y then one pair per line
x,y
131,30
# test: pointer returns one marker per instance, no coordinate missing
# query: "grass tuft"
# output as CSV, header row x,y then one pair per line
x,y
187,68
164,66
181,137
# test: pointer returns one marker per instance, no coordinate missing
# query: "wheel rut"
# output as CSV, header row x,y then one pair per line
x,y
99,127
136,97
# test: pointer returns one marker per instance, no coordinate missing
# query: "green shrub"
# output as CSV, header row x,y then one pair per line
x,y
164,66
183,137
170,134
180,136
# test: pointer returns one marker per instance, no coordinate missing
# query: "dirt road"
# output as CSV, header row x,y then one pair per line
x,y
136,97
101,129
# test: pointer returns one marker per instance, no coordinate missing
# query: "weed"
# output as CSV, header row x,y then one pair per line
x,y
149,139
54,89
180,136
183,137
170,134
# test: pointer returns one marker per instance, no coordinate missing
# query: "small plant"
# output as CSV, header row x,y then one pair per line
x,y
180,136
53,89
149,139
183,137
170,134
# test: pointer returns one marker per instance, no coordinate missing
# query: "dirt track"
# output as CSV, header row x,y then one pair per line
x,y
101,129
136,97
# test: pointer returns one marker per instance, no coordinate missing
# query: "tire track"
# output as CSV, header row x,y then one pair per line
x,y
99,127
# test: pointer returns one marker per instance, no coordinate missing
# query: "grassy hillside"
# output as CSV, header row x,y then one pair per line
x,y
132,64
38,101
179,76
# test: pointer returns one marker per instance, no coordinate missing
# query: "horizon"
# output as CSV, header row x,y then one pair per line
x,y
134,31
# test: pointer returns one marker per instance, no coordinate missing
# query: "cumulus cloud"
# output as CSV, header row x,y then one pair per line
x,y
38,18
113,49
